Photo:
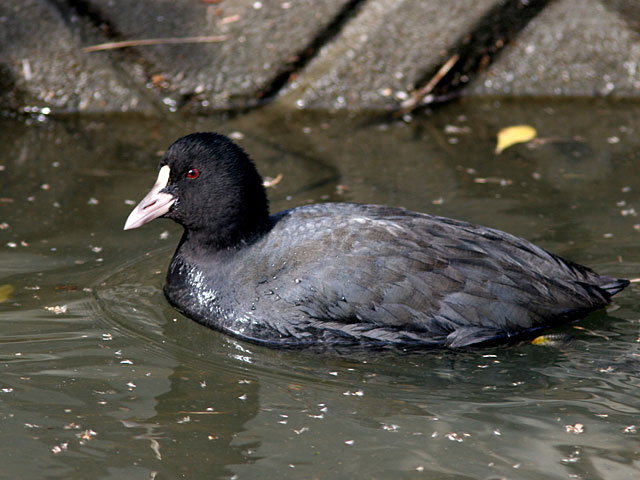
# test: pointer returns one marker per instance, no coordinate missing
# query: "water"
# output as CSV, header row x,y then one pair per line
x,y
100,378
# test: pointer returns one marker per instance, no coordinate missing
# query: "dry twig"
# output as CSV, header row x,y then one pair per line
x,y
154,41
418,95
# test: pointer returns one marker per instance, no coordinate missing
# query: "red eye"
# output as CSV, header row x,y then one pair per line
x,y
193,173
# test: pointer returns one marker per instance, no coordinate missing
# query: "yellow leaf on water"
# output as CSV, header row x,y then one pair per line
x,y
5,292
516,134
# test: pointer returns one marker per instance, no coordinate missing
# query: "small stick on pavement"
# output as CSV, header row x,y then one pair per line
x,y
154,41
417,96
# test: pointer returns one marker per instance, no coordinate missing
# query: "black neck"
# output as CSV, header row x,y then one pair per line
x,y
228,236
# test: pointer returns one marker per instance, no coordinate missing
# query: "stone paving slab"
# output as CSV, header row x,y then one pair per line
x,y
263,39
40,57
573,48
382,53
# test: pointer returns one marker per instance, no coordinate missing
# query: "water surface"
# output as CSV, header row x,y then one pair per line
x,y
100,378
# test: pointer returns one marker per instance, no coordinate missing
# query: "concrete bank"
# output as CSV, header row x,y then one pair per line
x,y
212,55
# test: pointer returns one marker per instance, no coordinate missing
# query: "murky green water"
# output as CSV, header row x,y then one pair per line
x,y
100,378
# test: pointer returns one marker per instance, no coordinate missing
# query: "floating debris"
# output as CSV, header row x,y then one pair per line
x,y
341,189
454,437
513,135
269,182
577,429
88,434
5,292
357,393
236,135
456,130
573,457
60,448
503,182
57,309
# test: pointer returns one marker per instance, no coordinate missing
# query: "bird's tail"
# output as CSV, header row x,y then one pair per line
x,y
613,285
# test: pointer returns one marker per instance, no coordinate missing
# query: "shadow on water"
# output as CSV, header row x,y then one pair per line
x,y
102,379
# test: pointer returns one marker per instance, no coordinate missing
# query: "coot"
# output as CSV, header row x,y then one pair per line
x,y
344,273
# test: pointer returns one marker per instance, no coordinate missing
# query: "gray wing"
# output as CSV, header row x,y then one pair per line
x,y
389,275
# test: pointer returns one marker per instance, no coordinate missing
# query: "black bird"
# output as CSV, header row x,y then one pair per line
x,y
344,273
